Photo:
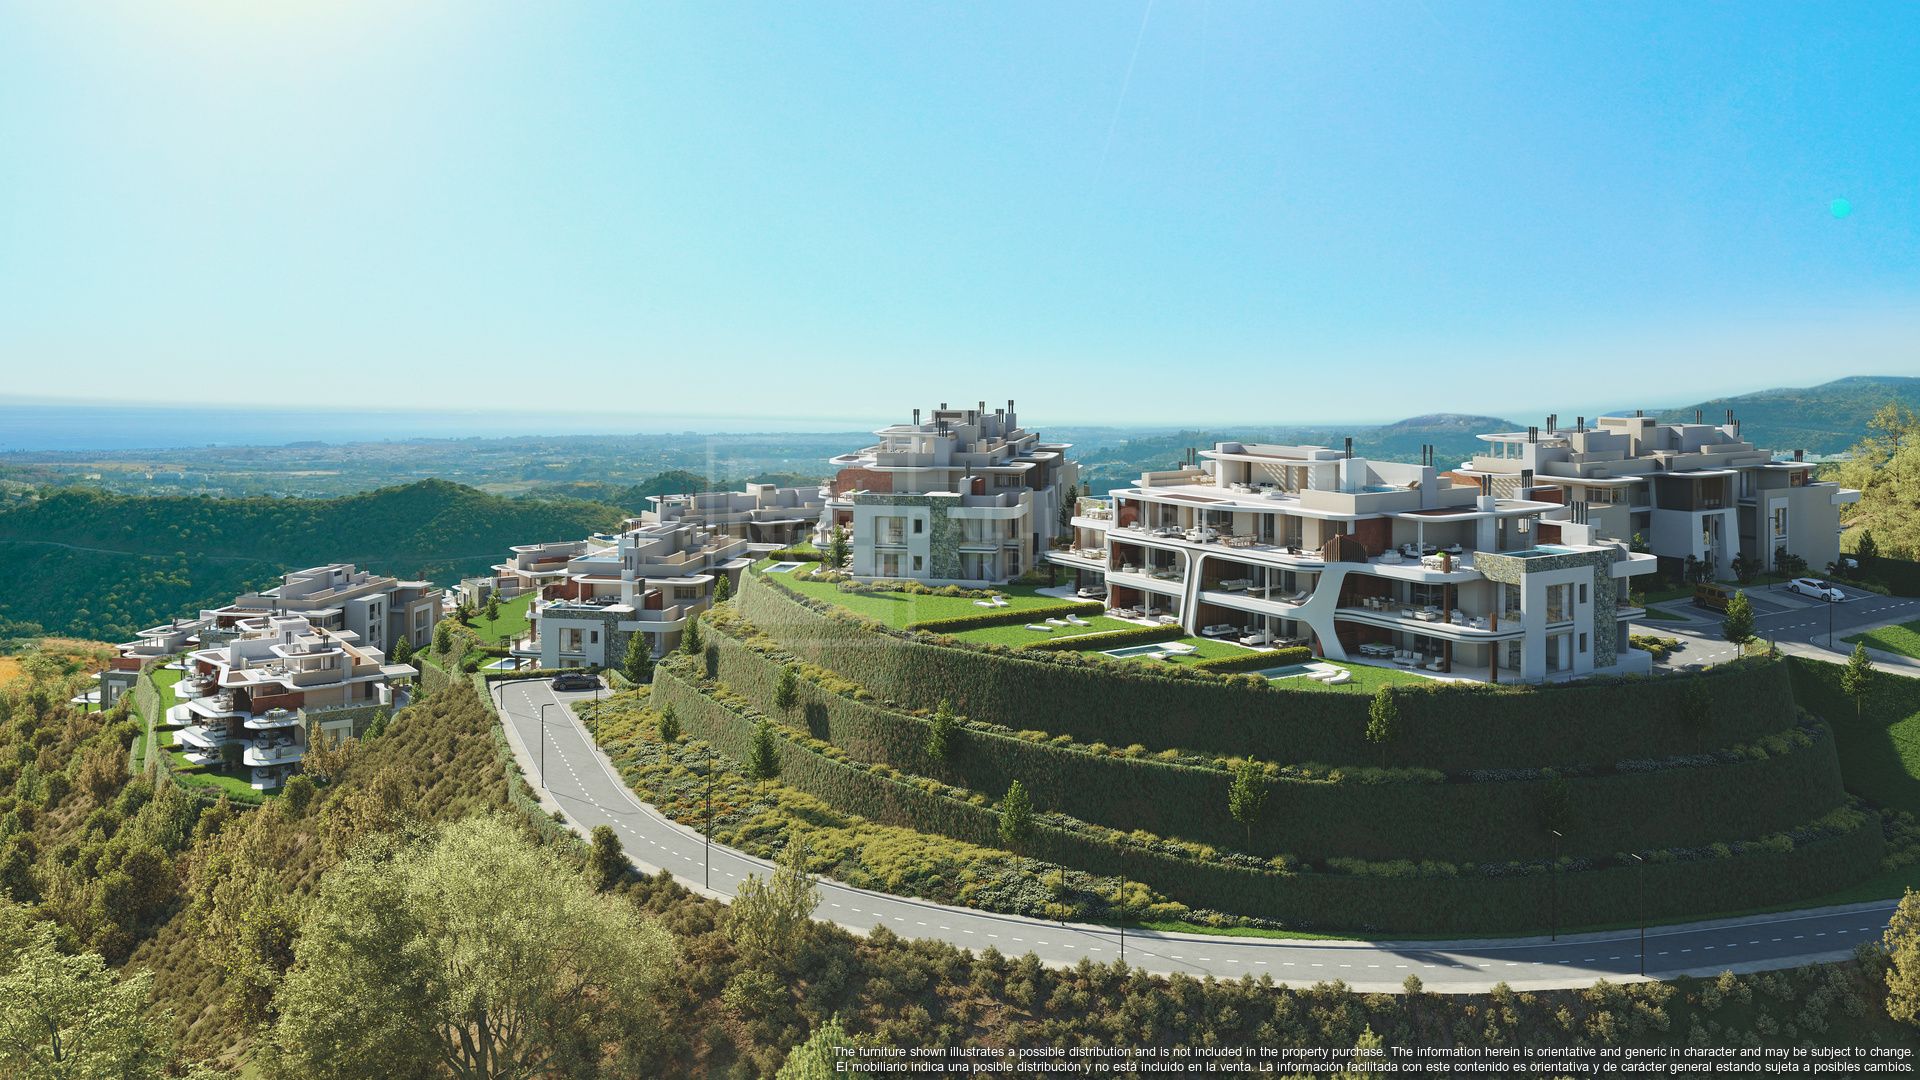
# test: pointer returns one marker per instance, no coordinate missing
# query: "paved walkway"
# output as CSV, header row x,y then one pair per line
x,y
582,784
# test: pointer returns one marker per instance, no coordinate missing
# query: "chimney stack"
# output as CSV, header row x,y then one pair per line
x,y
1638,413
916,418
1800,455
1579,423
1349,449
1553,422
1533,434
1729,416
1699,416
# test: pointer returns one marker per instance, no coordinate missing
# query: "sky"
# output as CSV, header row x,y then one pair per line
x,y
1152,213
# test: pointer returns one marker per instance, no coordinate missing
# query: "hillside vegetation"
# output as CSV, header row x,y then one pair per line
x,y
231,912
1823,419
103,566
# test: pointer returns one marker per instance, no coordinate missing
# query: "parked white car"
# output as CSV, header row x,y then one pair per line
x,y
1815,588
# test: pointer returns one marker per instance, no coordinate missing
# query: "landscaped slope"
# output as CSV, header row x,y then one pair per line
x,y
104,566
1728,790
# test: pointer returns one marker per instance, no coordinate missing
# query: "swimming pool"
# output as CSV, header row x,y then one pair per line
x,y
1286,671
784,567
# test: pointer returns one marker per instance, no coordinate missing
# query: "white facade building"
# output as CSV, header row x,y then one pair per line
x,y
1361,560
964,497
279,683
649,579
1695,493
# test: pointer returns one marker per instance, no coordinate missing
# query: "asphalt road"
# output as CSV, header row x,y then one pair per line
x,y
1799,624
579,781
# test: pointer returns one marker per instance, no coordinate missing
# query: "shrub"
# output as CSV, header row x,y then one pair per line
x,y
1005,617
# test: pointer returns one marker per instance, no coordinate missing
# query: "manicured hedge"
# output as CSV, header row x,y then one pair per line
x,y
1106,639
1293,654
1450,727
1006,617
1491,820
1477,901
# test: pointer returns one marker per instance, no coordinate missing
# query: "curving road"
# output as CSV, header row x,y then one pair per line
x,y
582,784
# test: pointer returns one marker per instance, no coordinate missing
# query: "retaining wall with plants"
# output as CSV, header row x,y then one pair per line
x,y
1445,726
1672,803
1814,857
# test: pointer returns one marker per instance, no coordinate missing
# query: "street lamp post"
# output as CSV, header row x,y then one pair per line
x,y
1830,607
1553,931
1640,876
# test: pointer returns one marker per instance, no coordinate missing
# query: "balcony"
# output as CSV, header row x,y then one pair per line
x,y
269,751
273,720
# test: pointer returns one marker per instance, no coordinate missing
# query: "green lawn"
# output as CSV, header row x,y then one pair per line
x,y
186,772
512,625
1903,639
903,609
1018,634
1366,679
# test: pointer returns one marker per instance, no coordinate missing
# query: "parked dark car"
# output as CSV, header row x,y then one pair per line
x,y
575,680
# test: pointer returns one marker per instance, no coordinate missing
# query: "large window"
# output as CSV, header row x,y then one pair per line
x,y
1780,522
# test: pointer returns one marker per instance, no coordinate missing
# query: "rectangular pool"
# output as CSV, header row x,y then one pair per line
x,y
784,567
1156,651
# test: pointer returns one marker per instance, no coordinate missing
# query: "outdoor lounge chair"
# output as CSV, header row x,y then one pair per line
x,y
1041,627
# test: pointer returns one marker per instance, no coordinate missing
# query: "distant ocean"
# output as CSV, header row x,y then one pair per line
x,y
71,427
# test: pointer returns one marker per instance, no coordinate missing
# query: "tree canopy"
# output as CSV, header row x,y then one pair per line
x,y
472,951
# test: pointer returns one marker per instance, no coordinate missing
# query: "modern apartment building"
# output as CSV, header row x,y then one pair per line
x,y
378,610
280,683
965,496
761,514
1361,560
648,580
150,646
1695,493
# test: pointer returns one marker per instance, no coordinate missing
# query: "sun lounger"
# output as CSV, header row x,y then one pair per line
x,y
1043,628
983,603
1056,622
1078,621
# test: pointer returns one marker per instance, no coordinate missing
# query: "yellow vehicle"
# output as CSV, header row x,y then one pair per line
x,y
1712,595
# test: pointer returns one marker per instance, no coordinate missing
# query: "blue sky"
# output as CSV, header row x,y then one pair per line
x,y
1176,212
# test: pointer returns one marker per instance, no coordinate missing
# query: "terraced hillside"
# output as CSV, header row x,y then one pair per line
x,y
1728,792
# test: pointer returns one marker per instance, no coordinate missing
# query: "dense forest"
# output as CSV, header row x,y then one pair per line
x,y
396,912
90,564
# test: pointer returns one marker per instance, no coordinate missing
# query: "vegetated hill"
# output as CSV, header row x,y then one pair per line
x,y
633,497
1823,419
103,566
1451,434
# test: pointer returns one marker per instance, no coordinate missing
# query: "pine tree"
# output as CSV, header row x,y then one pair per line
x,y
786,693
402,650
638,666
1737,625
690,638
1247,795
493,611
1016,815
940,731
763,757
669,725
723,590
1857,677
837,548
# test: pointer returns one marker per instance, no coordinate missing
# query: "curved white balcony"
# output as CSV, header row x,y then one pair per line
x,y
273,720
195,687
201,738
285,753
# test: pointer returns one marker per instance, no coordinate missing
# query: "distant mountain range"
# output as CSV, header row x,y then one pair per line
x,y
1452,435
1823,419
